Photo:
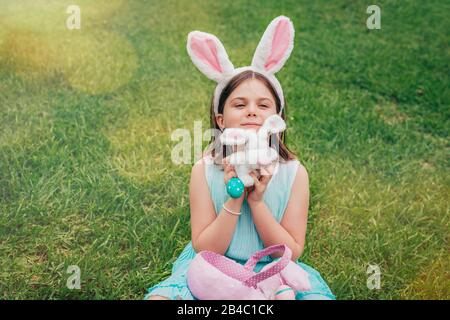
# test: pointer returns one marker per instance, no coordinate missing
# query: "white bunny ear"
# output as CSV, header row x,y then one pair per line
x,y
274,124
209,55
275,46
234,136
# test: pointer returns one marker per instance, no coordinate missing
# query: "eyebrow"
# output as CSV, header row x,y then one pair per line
x,y
245,99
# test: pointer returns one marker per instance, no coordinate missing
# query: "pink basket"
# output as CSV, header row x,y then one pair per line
x,y
212,276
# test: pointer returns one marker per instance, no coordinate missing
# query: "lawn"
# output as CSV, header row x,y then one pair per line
x,y
86,118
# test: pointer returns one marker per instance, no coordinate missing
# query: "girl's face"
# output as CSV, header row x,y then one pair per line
x,y
247,107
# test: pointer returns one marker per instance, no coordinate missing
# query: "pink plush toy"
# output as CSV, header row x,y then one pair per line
x,y
212,276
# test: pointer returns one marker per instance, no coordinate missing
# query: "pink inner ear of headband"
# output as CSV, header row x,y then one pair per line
x,y
207,51
280,44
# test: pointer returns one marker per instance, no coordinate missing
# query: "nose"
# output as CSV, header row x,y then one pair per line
x,y
252,108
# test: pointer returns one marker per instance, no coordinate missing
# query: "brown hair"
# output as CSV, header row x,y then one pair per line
x,y
283,151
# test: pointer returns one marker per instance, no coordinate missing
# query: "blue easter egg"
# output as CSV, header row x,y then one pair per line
x,y
235,187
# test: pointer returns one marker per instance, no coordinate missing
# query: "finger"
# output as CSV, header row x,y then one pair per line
x,y
267,171
230,174
226,174
225,164
226,160
265,179
228,168
255,179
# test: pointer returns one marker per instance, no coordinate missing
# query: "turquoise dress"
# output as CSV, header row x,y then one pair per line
x,y
246,240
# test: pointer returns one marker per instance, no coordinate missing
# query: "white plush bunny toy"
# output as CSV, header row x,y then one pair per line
x,y
252,148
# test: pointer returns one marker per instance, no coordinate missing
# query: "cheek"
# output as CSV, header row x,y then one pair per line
x,y
273,110
232,118
269,112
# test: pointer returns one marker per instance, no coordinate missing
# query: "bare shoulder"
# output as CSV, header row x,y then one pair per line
x,y
200,164
299,195
198,170
301,170
301,177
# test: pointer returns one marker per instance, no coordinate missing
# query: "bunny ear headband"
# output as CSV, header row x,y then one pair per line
x,y
274,48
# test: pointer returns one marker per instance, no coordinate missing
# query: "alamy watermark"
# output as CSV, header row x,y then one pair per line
x,y
374,20
74,20
182,151
374,277
74,281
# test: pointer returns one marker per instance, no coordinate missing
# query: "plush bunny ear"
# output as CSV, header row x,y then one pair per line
x,y
209,55
274,124
275,46
234,136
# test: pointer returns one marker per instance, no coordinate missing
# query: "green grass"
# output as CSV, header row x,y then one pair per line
x,y
86,118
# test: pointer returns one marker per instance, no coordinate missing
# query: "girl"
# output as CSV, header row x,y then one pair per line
x,y
275,209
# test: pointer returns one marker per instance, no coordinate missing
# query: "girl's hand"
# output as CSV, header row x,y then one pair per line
x,y
229,173
256,193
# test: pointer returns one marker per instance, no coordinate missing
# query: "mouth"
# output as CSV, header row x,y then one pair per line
x,y
251,125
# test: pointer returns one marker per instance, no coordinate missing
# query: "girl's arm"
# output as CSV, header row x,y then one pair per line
x,y
292,228
209,231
